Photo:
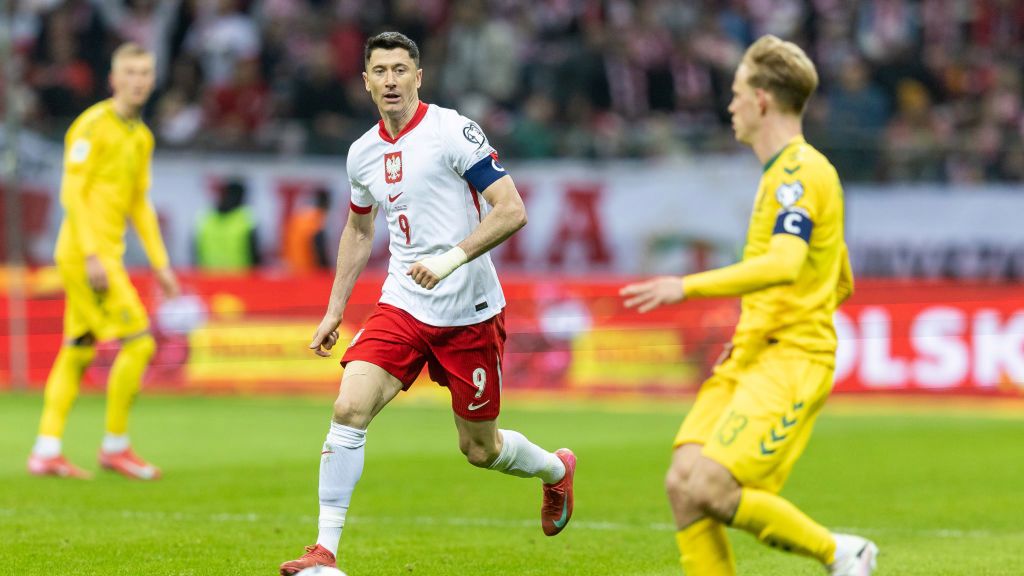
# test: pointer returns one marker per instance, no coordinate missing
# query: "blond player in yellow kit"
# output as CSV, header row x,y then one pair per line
x,y
105,184
752,418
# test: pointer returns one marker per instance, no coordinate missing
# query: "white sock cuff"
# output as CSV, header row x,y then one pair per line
x,y
510,440
47,446
113,443
346,436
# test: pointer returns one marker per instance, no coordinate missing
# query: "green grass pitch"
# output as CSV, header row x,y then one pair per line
x,y
941,493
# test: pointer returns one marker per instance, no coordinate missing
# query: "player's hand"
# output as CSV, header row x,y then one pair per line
x,y
326,336
432,269
97,273
423,276
646,296
168,283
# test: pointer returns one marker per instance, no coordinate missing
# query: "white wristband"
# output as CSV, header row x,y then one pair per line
x,y
444,264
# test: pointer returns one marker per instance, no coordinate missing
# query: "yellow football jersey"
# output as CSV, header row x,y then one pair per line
x,y
799,194
106,178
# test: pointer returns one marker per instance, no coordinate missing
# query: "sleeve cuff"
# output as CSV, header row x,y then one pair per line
x,y
360,209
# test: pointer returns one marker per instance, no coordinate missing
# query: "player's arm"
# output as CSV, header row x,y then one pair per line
x,y
147,226
507,215
779,265
81,153
844,288
353,254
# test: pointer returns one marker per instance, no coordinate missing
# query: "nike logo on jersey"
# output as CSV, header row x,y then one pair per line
x,y
472,407
395,197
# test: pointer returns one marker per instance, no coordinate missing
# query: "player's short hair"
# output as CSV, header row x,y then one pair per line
x,y
129,50
390,41
783,69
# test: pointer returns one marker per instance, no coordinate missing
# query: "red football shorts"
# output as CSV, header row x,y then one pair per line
x,y
465,359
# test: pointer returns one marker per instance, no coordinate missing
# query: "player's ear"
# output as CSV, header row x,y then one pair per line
x,y
366,81
763,97
419,77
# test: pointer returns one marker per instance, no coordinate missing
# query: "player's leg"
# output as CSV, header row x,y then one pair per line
x,y
704,547
123,386
467,359
771,518
126,320
507,451
512,453
854,555
82,316
365,390
380,362
61,390
740,472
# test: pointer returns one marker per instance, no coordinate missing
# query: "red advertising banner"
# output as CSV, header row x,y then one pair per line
x,y
567,335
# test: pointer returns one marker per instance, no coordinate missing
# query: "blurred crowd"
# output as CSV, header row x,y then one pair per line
x,y
910,89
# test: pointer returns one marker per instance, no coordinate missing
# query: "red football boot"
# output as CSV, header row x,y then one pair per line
x,y
55,466
557,508
315,556
127,464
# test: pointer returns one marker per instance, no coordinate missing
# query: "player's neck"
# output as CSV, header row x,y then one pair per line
x,y
124,109
394,124
775,133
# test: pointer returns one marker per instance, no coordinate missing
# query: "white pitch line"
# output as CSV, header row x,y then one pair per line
x,y
601,526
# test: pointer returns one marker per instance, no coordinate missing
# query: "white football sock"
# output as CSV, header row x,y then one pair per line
x,y
341,465
113,443
520,457
47,446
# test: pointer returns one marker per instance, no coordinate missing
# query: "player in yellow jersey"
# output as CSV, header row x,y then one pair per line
x,y
105,184
753,417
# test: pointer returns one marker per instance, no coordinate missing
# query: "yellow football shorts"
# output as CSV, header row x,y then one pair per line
x,y
116,313
755,417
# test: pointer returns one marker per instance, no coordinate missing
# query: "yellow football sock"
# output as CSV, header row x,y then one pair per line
x,y
704,549
62,387
126,379
778,523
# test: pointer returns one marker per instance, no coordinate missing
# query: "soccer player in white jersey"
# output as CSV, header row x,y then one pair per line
x,y
447,202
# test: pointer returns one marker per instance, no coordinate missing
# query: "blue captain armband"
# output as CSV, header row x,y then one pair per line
x,y
484,173
795,223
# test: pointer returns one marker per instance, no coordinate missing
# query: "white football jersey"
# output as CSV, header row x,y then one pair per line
x,y
417,179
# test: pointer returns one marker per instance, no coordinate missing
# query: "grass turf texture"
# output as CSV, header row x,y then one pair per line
x,y
941,493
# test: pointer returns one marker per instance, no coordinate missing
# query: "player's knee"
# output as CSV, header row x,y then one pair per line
x,y
711,491
677,481
479,455
701,493
349,413
142,346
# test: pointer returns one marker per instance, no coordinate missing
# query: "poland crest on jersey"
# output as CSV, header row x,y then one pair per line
x,y
393,167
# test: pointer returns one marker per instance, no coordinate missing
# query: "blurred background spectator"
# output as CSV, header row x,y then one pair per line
x,y
911,89
226,237
304,242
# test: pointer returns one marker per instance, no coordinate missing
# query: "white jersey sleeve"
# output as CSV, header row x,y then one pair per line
x,y
465,143
361,198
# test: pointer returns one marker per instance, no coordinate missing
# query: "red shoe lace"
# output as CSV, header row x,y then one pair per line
x,y
312,552
555,499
